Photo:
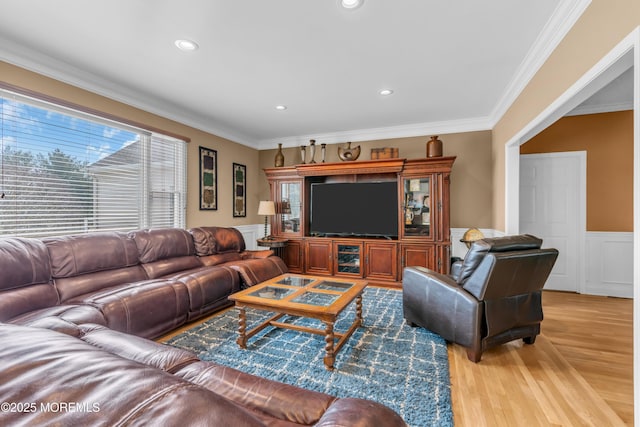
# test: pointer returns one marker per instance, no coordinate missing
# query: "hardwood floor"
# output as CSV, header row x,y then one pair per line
x,y
579,371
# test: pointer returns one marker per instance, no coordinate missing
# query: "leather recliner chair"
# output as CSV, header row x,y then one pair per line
x,y
491,297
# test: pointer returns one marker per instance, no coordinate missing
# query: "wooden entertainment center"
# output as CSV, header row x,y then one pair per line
x,y
423,219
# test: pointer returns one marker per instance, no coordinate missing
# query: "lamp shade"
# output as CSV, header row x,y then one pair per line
x,y
266,207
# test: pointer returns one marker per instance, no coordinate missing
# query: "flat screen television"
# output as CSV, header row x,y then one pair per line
x,y
359,209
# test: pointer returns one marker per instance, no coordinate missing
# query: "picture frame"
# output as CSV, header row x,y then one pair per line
x,y
208,179
239,190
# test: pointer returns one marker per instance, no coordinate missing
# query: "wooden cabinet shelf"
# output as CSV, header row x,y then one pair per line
x,y
423,219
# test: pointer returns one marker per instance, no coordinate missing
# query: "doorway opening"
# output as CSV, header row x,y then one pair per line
x,y
623,57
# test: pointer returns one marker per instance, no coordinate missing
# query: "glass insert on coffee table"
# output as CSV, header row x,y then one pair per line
x,y
316,297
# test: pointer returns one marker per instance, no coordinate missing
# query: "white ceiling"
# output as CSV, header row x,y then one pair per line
x,y
453,65
616,96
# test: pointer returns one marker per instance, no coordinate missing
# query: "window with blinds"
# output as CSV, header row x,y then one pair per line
x,y
67,172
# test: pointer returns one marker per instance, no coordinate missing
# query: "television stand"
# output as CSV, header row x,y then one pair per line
x,y
423,219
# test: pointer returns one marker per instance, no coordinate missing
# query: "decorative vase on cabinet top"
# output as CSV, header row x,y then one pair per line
x,y
434,147
349,154
279,161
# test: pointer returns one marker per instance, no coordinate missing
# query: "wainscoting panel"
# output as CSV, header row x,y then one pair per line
x,y
459,249
251,233
609,264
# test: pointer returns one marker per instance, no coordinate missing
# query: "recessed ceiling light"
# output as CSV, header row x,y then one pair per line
x,y
385,92
351,4
281,107
186,45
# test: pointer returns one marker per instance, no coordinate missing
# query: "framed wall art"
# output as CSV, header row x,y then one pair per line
x,y
239,190
208,179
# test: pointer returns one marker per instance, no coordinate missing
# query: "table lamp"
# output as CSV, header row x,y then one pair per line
x,y
266,208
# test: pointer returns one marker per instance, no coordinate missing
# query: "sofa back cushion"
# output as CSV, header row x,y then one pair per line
x,y
217,240
23,262
480,248
162,243
89,262
25,277
512,273
165,251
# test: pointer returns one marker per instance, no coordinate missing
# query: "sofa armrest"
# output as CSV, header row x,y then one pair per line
x,y
147,352
260,395
254,271
436,302
55,324
350,412
271,400
263,253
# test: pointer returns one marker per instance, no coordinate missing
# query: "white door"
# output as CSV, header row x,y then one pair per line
x,y
553,207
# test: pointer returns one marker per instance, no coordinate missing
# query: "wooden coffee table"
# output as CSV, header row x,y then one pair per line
x,y
316,297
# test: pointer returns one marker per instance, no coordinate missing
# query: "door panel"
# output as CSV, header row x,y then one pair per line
x,y
318,257
292,256
381,261
418,255
552,207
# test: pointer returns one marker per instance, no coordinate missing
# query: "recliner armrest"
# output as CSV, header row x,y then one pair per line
x,y
150,353
456,269
251,254
436,302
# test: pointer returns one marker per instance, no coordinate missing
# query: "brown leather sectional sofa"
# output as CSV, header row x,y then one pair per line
x,y
146,282
75,315
81,375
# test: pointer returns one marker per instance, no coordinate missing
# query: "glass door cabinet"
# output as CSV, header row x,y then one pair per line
x,y
289,208
417,209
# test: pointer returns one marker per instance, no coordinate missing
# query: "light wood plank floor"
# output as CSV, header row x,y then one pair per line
x,y
579,372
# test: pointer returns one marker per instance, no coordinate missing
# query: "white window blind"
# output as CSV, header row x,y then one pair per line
x,y
67,172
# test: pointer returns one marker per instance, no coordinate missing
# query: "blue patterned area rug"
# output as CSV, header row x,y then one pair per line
x,y
385,360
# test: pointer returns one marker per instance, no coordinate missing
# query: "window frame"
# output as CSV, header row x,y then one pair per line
x,y
147,136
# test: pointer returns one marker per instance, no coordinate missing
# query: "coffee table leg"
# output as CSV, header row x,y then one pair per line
x,y
359,309
329,357
242,328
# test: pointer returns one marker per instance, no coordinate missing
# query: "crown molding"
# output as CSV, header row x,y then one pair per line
x,y
48,66
372,134
564,18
